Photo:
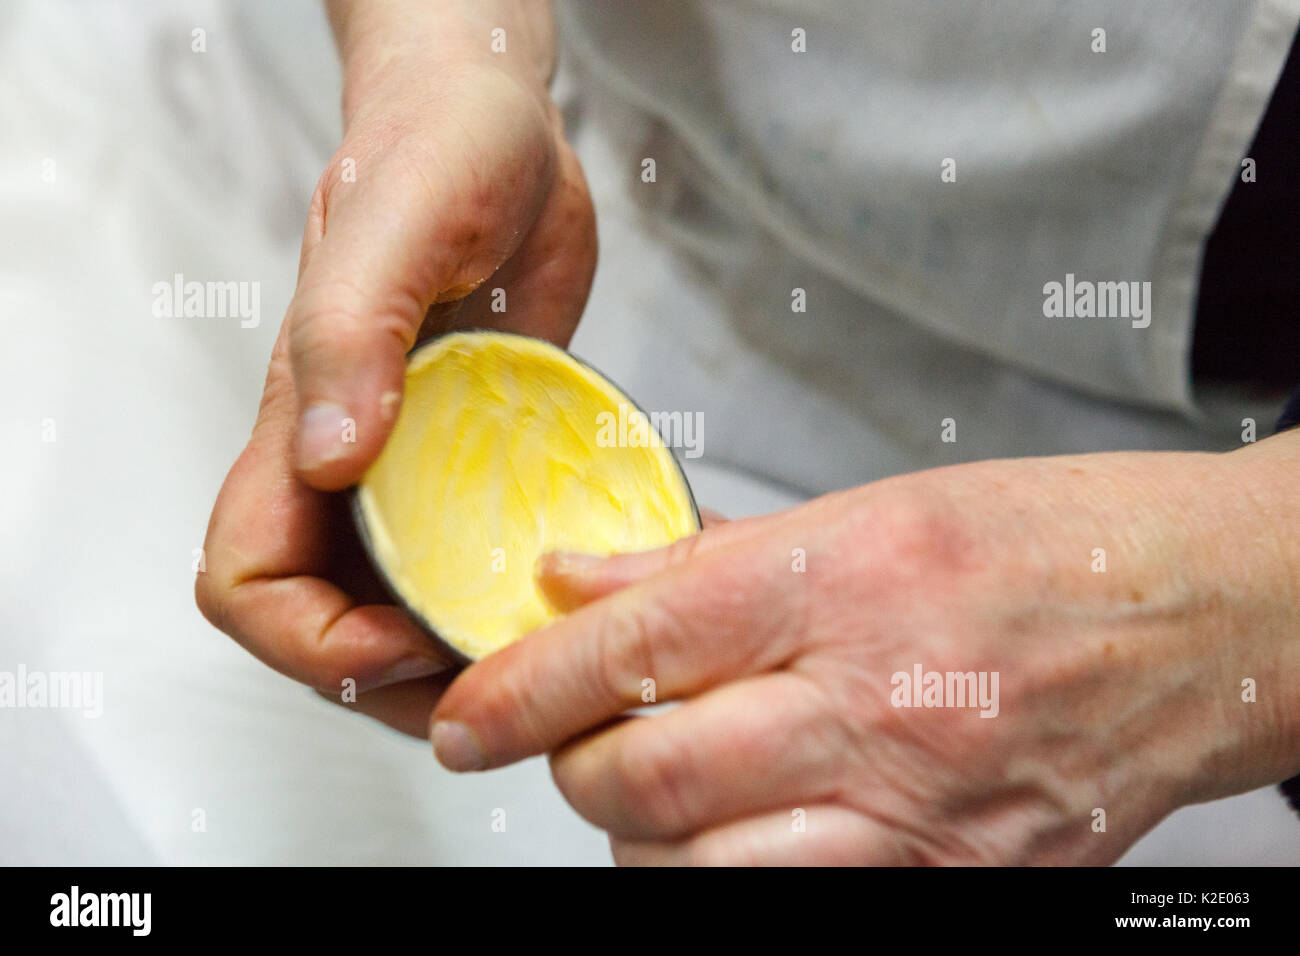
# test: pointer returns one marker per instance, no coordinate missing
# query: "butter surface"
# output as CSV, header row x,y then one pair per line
x,y
495,459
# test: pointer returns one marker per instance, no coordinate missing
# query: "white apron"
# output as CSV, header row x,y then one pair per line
x,y
824,171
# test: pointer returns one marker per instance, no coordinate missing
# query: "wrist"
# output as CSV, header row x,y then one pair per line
x,y
1266,559
389,46
1208,584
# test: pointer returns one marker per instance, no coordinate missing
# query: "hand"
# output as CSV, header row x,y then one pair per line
x,y
461,175
1118,691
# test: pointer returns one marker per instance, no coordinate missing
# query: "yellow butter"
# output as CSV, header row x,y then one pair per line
x,y
502,452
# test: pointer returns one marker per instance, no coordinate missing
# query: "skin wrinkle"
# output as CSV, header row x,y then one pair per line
x,y
313,230
981,839
371,49
648,779
828,740
241,596
463,233
889,735
971,805
763,752
614,668
836,721
971,798
912,840
573,786
482,194
391,318
252,571
1120,729
521,694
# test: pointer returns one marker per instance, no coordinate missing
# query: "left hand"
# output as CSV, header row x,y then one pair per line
x,y
1119,691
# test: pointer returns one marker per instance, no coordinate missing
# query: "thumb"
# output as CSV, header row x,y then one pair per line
x,y
365,287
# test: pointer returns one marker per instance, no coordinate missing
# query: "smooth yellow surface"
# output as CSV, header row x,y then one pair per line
x,y
497,457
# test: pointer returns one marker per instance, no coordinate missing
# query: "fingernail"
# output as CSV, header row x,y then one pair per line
x,y
323,434
568,562
457,292
410,668
456,748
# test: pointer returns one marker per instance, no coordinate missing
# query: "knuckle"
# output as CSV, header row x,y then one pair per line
x,y
916,533
519,705
508,697
316,659
649,777
570,784
683,549
581,785
330,319
317,662
210,601
320,196
912,527
625,652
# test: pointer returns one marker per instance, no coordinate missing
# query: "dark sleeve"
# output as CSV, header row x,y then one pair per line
x,y
1290,419
1290,414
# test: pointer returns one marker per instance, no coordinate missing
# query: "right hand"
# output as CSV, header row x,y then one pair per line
x,y
463,184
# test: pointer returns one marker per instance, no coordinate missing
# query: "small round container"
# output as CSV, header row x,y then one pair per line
x,y
507,447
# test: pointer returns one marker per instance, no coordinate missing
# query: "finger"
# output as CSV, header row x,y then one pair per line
x,y
270,543
394,243
729,612
745,748
405,707
812,835
569,580
310,630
